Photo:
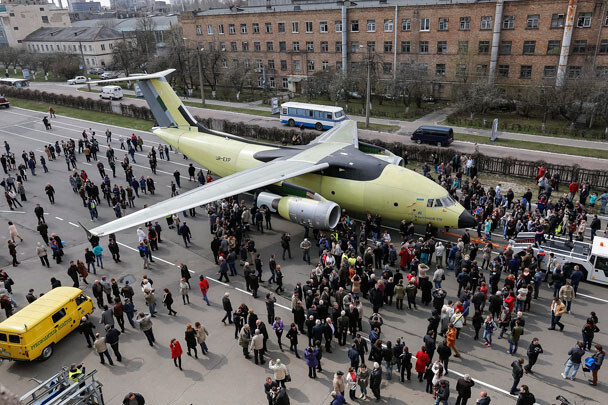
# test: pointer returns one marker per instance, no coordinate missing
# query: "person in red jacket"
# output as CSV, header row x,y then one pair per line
x,y
573,189
422,360
176,353
204,285
405,255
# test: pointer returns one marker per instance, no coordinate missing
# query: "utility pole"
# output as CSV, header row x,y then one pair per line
x,y
200,75
369,90
84,65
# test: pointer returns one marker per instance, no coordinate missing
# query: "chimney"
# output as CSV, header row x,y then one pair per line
x,y
268,5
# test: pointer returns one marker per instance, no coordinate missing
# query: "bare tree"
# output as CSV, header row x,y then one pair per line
x,y
236,76
146,39
66,65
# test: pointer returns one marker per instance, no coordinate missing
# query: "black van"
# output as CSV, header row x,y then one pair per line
x,y
434,135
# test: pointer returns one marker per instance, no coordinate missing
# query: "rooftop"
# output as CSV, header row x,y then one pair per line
x,y
73,34
161,23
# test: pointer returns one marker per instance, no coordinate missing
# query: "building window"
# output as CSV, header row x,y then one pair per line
x,y
406,24
371,46
579,46
281,27
529,47
461,70
269,46
387,68
233,46
258,64
285,82
271,82
338,25
246,63
465,23
442,47
440,69
261,81
308,26
354,46
271,64
295,46
323,26
245,46
388,25
532,22
583,20
574,72
553,47
425,24
371,25
282,46
505,47
463,47
525,72
339,46
484,47
268,28
443,24
549,72
220,29
256,28
212,46
354,26
310,46
486,22
45,19
604,46
557,20
508,23
90,47
481,70
503,70
222,46
606,19
199,30
311,65
283,65
324,46
388,46
601,72
224,63
424,46
325,66
294,27
257,47
209,29
405,47
103,47
243,28
231,29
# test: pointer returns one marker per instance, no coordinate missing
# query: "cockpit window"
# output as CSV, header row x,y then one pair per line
x,y
447,201
429,202
438,203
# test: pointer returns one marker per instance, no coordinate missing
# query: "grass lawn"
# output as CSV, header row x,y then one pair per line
x,y
378,127
511,122
547,147
95,116
39,76
389,109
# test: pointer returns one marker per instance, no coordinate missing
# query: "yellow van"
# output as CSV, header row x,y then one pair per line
x,y
32,332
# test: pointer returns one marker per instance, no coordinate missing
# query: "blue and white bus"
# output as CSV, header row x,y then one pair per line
x,y
316,116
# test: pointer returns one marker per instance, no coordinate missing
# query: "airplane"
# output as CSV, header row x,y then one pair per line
x,y
308,184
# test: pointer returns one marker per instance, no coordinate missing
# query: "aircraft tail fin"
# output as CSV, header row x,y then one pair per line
x,y
167,108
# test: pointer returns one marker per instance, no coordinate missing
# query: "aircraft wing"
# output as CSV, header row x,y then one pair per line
x,y
256,177
345,132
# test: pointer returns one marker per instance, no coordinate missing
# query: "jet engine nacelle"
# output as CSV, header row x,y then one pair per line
x,y
317,214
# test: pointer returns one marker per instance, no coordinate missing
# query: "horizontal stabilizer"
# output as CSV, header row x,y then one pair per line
x,y
131,78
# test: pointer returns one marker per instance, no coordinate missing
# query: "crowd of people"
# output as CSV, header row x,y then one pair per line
x,y
358,270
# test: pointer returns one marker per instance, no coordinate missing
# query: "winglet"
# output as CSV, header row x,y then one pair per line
x,y
92,237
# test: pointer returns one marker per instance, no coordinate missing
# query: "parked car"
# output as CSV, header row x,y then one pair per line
x,y
108,75
111,92
78,80
4,102
434,135
95,71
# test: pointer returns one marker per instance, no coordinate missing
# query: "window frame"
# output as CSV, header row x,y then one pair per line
x,y
555,20
427,25
370,26
464,24
529,47
508,22
389,25
528,70
406,24
532,21
444,47
486,22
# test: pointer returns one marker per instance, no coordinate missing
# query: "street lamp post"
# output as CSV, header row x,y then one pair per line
x,y
200,75
369,86
84,65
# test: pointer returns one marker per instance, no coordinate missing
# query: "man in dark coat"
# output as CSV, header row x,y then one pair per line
x,y
86,328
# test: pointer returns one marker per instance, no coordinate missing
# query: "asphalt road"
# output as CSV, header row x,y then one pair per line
x,y
225,376
401,136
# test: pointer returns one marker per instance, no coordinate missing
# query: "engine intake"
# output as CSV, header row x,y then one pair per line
x,y
316,214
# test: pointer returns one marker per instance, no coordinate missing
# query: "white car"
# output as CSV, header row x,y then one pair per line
x,y
108,75
78,80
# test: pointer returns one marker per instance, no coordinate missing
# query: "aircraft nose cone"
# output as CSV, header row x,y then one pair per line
x,y
466,220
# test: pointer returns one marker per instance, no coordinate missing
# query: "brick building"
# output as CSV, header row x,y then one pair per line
x,y
510,42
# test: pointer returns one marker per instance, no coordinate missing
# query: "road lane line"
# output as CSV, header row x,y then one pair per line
x,y
73,224
243,291
592,297
13,212
61,219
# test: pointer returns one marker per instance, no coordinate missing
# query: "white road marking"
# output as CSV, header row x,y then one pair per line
x,y
14,212
592,297
61,219
243,291
73,224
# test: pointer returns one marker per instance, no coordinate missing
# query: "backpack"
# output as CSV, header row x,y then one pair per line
x,y
589,364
